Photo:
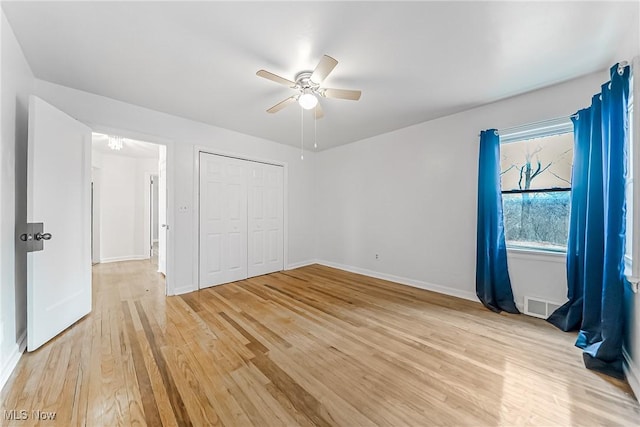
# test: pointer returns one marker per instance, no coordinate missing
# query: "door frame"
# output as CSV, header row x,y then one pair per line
x,y
197,149
170,147
95,219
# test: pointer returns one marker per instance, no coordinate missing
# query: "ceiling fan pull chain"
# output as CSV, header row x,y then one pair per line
x,y
301,134
315,129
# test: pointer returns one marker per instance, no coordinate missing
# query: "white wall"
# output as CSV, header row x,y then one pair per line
x,y
410,196
123,199
15,85
182,136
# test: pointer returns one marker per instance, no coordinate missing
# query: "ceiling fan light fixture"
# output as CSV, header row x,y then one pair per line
x,y
308,87
308,100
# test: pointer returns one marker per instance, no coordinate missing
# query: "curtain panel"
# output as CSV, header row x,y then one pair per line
x,y
493,285
595,251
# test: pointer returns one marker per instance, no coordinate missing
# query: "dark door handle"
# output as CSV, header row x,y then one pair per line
x,y
43,236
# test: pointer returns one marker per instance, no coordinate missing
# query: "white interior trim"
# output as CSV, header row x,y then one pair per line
x,y
13,359
537,255
197,149
471,296
536,130
632,267
123,258
170,146
632,373
301,264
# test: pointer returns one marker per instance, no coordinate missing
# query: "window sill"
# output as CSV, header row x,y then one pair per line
x,y
628,272
537,254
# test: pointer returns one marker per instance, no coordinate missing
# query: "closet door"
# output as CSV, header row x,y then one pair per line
x,y
223,220
265,206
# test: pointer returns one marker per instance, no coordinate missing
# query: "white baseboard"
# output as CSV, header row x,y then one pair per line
x,y
301,264
404,281
124,258
13,359
632,371
183,290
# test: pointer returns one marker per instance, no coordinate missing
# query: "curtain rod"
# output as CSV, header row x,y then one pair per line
x,y
621,66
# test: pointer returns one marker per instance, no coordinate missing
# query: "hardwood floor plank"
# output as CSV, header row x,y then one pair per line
x,y
254,345
177,404
306,347
253,390
151,414
192,389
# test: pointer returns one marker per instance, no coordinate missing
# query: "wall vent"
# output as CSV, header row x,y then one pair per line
x,y
537,307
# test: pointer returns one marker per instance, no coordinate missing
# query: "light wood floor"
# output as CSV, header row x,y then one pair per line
x,y
312,346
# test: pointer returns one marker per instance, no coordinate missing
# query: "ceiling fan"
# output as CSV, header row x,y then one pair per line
x,y
307,84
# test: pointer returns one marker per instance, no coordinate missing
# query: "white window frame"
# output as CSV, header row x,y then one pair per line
x,y
530,131
632,260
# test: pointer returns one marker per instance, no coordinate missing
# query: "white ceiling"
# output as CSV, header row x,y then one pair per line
x,y
130,147
413,61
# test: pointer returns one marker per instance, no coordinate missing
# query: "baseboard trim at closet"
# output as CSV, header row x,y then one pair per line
x,y
124,258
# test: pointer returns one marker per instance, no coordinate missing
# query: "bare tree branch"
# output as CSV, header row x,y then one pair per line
x,y
520,180
559,177
507,170
539,171
546,167
536,172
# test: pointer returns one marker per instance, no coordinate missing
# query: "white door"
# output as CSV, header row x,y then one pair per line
x,y
58,195
162,210
223,220
265,219
153,232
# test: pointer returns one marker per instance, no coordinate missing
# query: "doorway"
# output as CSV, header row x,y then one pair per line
x,y
129,201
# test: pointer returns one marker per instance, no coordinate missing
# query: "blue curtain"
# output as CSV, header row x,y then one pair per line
x,y
595,252
493,285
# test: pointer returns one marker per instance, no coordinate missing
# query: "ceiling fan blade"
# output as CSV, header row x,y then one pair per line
x,y
326,65
275,78
319,113
280,105
352,95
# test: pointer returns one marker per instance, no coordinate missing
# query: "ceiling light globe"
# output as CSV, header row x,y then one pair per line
x,y
308,101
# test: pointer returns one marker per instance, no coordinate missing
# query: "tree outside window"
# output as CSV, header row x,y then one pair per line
x,y
536,191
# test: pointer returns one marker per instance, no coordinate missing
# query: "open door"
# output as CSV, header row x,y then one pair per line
x,y
59,198
162,210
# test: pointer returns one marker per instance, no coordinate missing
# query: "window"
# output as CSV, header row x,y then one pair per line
x,y
536,187
631,270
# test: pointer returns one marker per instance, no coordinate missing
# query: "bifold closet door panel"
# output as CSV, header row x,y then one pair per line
x,y
223,220
266,219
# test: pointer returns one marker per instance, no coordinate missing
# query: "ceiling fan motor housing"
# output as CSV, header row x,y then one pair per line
x,y
304,82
